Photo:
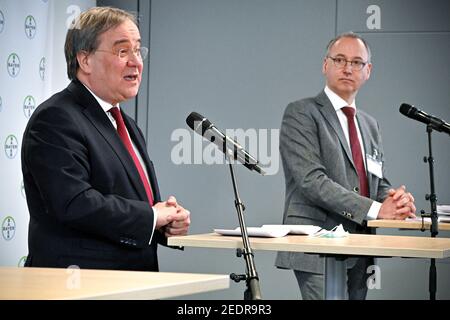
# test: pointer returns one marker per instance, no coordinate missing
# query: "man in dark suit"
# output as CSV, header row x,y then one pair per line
x,y
334,166
91,188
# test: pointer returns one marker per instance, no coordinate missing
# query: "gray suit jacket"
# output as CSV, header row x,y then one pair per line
x,y
321,180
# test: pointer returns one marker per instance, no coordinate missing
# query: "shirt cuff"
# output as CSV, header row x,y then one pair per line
x,y
155,217
374,210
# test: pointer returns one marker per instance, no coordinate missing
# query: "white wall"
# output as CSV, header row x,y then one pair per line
x,y
32,67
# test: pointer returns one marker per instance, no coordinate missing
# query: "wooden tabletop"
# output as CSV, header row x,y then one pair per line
x,y
54,283
406,224
354,244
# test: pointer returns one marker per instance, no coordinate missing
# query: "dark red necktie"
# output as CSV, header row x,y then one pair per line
x,y
356,151
122,131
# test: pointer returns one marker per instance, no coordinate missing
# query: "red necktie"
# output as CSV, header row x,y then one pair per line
x,y
122,131
356,151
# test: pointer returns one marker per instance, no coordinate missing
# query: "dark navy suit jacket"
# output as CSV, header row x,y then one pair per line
x,y
86,201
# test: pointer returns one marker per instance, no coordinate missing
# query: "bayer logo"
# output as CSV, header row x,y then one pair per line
x,y
30,27
11,146
29,104
13,65
8,228
42,68
2,21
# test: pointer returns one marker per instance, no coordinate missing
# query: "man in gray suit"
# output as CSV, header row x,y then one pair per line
x,y
334,166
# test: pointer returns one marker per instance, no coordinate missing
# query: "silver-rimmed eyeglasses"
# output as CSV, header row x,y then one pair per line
x,y
340,62
141,52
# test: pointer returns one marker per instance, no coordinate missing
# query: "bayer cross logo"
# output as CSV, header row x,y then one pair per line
x,y
30,27
11,146
2,21
8,228
28,106
13,65
42,68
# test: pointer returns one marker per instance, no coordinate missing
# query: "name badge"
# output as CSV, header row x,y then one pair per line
x,y
374,165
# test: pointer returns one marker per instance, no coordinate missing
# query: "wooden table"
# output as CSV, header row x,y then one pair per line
x,y
406,224
55,283
332,248
354,244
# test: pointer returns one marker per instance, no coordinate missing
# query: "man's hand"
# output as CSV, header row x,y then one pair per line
x,y
166,214
398,205
175,224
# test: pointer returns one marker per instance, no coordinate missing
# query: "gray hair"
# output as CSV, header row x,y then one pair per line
x,y
85,30
349,35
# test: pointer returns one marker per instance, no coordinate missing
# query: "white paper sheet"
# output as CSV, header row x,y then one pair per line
x,y
271,230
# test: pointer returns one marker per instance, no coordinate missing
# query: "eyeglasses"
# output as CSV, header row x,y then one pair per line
x,y
123,53
356,65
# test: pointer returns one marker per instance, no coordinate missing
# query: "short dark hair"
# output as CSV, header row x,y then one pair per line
x,y
85,30
349,35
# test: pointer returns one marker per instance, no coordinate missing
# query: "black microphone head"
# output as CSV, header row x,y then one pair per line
x,y
407,110
421,116
198,123
192,118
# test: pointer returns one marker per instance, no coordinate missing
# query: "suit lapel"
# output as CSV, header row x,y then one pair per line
x,y
94,113
140,145
329,114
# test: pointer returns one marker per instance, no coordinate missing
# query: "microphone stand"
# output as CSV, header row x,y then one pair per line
x,y
252,291
434,217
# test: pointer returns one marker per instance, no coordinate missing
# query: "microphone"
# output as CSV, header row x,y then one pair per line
x,y
419,115
206,129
